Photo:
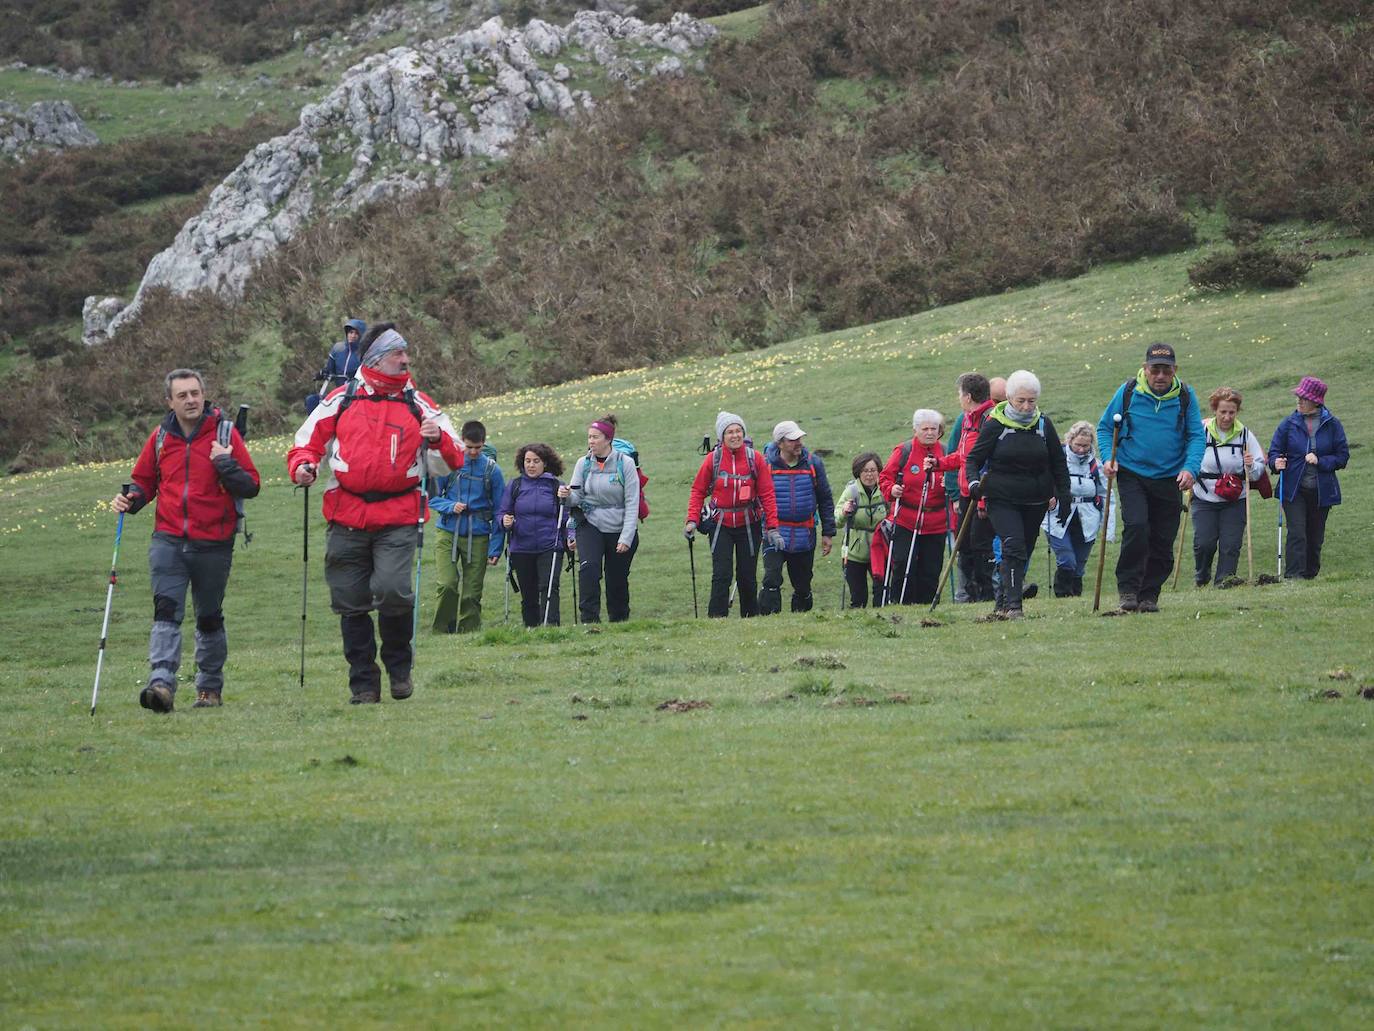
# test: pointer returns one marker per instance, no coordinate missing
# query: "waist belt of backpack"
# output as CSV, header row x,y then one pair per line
x,y
373,496
735,508
797,522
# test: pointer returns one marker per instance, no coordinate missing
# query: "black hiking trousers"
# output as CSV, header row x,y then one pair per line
x,y
1150,512
735,555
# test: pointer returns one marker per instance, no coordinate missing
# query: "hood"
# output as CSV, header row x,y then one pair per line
x,y
357,324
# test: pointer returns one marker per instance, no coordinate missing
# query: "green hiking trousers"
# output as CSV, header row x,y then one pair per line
x,y
459,586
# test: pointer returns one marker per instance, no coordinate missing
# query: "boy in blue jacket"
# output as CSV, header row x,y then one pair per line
x,y
470,539
1158,455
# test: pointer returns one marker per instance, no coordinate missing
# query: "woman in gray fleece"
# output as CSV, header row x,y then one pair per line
x,y
604,493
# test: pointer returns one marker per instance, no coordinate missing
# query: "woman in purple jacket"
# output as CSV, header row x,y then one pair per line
x,y
1307,449
534,514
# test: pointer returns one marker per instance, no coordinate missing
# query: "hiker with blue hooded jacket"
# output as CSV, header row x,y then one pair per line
x,y
1307,449
470,539
1158,455
342,364
802,493
604,528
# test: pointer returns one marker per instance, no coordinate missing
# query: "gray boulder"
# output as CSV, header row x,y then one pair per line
x,y
48,125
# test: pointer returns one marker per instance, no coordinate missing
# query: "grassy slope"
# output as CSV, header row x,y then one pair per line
x,y
1072,821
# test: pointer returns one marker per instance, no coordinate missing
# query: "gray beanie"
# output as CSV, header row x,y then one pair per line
x,y
384,345
727,419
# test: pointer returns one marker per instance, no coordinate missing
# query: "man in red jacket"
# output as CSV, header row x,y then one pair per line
x,y
975,557
375,431
195,478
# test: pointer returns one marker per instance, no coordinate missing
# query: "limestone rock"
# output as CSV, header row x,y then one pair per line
x,y
47,125
397,120
96,315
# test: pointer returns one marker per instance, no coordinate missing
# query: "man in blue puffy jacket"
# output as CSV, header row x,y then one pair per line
x,y
470,539
342,363
803,493
1158,455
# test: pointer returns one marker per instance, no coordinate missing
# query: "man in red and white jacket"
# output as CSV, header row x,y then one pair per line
x,y
375,431
975,557
195,479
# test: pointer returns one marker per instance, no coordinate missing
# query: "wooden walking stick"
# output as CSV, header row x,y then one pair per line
x,y
970,514
1182,536
1106,513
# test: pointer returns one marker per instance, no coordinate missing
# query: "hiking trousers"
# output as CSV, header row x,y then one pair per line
x,y
174,563
532,570
735,556
1017,526
366,570
1150,512
800,566
458,587
597,558
1218,532
918,586
1306,522
857,575
975,557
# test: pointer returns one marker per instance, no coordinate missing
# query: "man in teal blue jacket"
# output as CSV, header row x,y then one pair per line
x,y
1158,455
470,539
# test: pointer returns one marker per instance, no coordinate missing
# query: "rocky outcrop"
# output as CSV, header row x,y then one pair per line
x,y
394,123
45,126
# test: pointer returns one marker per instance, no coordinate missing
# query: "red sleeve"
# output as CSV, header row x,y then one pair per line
x,y
450,452
763,479
144,477
948,462
887,478
312,437
701,485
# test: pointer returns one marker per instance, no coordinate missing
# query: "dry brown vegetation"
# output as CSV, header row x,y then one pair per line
x,y
856,161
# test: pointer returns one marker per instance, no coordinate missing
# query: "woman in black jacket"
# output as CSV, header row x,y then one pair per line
x,y
1020,468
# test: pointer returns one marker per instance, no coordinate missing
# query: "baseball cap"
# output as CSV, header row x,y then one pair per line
x,y
787,430
1160,354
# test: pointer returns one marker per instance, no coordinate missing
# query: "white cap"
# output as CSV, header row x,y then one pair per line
x,y
787,430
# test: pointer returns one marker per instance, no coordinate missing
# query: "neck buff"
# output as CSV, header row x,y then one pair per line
x,y
384,384
384,345
1009,416
1236,430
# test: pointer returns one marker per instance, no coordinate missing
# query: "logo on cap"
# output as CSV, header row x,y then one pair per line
x,y
1160,354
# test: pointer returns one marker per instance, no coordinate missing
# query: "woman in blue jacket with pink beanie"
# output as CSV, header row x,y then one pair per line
x,y
1307,449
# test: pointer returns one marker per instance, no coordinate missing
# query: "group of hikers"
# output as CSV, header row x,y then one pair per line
x,y
983,494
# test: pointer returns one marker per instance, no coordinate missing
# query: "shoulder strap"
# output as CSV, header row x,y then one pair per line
x,y
224,431
1185,397
350,392
902,461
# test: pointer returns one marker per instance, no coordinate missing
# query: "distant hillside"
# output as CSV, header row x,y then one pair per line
x,y
837,164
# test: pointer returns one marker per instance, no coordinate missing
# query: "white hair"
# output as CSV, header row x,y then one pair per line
x,y
1022,380
927,417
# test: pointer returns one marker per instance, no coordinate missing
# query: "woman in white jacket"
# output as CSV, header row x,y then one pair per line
x,y
1072,542
1232,456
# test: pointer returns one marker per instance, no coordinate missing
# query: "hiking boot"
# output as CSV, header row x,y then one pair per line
x,y
1029,591
366,698
157,697
208,700
1149,605
401,688
1014,614
1130,603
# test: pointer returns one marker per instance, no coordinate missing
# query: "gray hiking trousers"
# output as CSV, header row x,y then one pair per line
x,y
173,564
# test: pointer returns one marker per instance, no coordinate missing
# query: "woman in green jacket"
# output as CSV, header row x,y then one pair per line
x,y
860,509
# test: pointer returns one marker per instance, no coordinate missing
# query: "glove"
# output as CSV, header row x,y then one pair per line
x,y
775,540
975,488
689,531
1063,510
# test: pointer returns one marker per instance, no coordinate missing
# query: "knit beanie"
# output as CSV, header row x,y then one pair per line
x,y
727,419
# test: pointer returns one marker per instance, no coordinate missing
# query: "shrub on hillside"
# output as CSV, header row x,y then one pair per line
x,y
1255,266
1127,235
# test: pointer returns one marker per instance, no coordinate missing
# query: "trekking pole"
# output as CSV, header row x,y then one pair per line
x,y
911,550
1106,514
1182,536
109,598
575,569
423,457
553,565
692,560
1279,564
970,514
505,550
949,546
305,571
1249,545
887,571
844,556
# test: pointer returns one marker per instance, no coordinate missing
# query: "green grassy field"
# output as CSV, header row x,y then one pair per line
x,y
1070,821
